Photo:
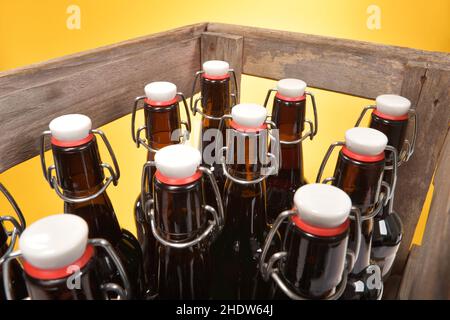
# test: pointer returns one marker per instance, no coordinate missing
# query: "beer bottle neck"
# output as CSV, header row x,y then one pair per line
x,y
79,169
395,130
80,174
360,180
307,253
289,117
247,154
215,99
163,123
179,213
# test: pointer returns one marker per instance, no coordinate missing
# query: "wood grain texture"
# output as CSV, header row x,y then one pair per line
x,y
391,286
101,84
428,88
412,268
21,78
351,67
221,46
427,275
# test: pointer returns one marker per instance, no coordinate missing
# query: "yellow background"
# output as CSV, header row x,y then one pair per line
x,y
32,31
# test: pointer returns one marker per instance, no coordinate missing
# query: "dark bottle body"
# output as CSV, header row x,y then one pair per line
x,y
388,228
387,236
238,248
314,265
18,287
161,122
80,175
182,273
215,102
361,181
395,130
57,289
289,117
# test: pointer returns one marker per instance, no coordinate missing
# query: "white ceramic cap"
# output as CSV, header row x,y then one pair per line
x,y
160,91
216,68
250,115
365,141
393,105
291,88
322,205
55,241
70,127
178,161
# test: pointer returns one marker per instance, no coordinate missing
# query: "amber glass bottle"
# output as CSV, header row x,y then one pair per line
x,y
314,246
79,173
162,128
182,224
288,114
58,262
238,248
216,99
391,116
360,179
359,172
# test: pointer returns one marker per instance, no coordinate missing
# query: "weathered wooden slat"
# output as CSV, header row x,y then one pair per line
x,y
104,91
433,109
412,268
391,286
427,276
40,73
221,46
346,66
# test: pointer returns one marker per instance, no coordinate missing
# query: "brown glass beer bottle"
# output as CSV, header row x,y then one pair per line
x,y
17,285
390,115
163,127
288,114
315,258
182,223
359,172
238,248
80,176
59,262
216,99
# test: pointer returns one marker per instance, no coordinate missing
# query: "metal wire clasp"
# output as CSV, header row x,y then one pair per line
x,y
194,105
53,180
136,135
408,147
214,226
312,127
123,293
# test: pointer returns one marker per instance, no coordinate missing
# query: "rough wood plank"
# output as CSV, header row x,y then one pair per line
x,y
412,269
346,66
428,275
391,286
227,47
433,109
40,73
104,91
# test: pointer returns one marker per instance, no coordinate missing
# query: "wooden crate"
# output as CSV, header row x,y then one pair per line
x,y
102,82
